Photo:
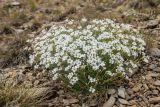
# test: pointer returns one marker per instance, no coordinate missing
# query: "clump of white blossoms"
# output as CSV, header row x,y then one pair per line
x,y
88,54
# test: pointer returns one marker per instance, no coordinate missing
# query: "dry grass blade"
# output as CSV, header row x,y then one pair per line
x,y
18,96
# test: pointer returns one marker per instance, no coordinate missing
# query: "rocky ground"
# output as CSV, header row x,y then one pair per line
x,y
21,20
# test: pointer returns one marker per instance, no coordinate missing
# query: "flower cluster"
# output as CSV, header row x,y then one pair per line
x,y
87,54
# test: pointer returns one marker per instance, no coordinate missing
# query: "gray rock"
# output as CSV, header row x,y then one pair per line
x,y
111,91
157,105
84,105
137,87
155,75
152,66
19,31
154,100
157,69
157,83
129,91
122,101
158,16
152,23
145,86
93,103
15,3
134,70
75,105
2,77
155,92
133,106
67,102
36,82
110,102
121,92
155,52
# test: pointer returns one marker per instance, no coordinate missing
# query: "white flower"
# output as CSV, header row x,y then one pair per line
x,y
91,79
73,80
70,22
95,28
84,20
146,59
102,28
89,27
36,66
55,77
92,90
70,75
31,59
64,58
55,70
133,65
110,73
79,27
130,70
